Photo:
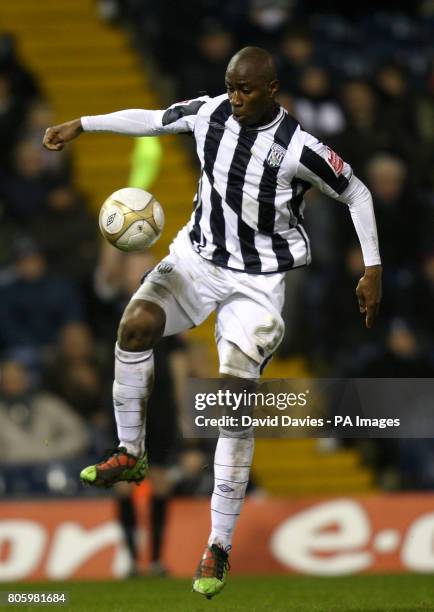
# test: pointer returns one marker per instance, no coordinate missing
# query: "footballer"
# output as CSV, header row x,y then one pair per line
x,y
245,233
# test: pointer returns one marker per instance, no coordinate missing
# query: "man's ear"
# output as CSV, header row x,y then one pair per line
x,y
273,88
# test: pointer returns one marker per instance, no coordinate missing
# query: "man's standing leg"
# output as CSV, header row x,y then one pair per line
x,y
248,331
232,463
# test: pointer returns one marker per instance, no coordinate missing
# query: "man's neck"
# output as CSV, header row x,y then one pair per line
x,y
268,116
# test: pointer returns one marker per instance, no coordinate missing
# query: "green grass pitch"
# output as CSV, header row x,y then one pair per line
x,y
406,593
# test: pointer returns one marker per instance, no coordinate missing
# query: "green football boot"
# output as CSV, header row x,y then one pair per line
x,y
117,467
210,577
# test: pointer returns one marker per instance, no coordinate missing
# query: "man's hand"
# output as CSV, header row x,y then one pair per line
x,y
368,293
57,136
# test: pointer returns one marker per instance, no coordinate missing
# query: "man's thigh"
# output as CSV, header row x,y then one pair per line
x,y
177,320
247,334
174,285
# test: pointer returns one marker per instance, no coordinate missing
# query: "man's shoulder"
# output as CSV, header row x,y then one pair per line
x,y
201,105
212,103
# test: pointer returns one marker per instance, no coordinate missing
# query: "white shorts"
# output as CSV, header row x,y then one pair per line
x,y
189,287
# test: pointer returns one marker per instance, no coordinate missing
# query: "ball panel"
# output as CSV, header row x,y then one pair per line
x,y
158,214
134,223
132,197
137,236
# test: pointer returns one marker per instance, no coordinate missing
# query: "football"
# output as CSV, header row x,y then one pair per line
x,y
131,219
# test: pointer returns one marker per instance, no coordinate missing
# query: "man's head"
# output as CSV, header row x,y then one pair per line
x,y
251,83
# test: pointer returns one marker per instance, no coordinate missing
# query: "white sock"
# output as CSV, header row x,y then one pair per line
x,y
232,461
134,375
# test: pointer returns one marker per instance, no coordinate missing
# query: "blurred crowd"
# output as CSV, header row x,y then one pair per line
x,y
363,83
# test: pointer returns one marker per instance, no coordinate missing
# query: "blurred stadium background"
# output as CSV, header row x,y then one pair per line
x,y
360,79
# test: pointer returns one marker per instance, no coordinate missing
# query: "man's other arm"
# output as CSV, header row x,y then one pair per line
x,y
322,167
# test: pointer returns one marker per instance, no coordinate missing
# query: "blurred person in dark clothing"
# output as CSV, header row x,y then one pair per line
x,y
339,347
397,99
24,190
75,372
400,113
401,357
12,114
424,291
214,48
264,23
18,87
398,203
39,113
315,106
67,233
194,475
34,305
24,85
35,426
363,134
296,52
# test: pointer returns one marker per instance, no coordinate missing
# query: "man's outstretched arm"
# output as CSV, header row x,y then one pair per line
x,y
57,136
178,118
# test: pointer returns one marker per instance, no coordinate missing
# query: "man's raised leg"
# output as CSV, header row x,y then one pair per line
x,y
142,325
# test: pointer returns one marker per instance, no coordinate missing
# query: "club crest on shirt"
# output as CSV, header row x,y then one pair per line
x,y
275,155
336,162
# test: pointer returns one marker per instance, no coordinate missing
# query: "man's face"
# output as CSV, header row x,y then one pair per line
x,y
251,97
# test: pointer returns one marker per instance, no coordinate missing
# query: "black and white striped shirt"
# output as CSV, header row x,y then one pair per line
x,y
248,212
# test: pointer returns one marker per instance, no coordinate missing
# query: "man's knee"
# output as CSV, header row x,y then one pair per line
x,y
235,363
269,333
141,326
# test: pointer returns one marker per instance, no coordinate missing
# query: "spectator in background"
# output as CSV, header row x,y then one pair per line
x,y
341,346
426,118
12,113
39,115
215,46
397,205
400,113
35,426
397,99
296,52
24,190
264,23
401,357
363,134
34,305
67,234
24,85
76,374
315,106
424,295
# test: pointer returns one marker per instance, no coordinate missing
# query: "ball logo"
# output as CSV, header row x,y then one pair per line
x,y
110,219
